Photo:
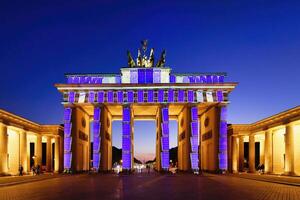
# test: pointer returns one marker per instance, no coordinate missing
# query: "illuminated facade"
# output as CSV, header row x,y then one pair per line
x,y
273,142
143,91
23,142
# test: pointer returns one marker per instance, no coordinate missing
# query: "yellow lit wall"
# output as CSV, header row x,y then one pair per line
x,y
13,151
296,130
209,146
278,151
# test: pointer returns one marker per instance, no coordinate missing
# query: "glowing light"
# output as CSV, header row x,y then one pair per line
x,y
110,96
150,96
100,97
180,96
140,96
91,96
223,140
96,138
126,138
71,97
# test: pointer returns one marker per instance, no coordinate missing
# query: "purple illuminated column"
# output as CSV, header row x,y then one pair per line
x,y
67,139
126,138
165,158
96,138
223,160
194,139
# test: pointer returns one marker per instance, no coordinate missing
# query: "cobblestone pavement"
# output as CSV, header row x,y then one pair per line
x,y
13,180
151,186
289,180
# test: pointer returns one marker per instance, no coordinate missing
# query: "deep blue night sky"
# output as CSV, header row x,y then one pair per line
x,y
256,42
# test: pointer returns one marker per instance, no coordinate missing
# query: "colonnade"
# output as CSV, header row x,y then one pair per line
x,y
15,150
279,152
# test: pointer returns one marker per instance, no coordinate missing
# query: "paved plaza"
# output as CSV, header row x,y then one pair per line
x,y
149,186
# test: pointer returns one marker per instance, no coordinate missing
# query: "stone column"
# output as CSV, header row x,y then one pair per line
x,y
268,152
289,149
251,153
38,151
56,154
127,138
162,140
23,150
222,155
235,154
48,154
3,148
262,152
241,153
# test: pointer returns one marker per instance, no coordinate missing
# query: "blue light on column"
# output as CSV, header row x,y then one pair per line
x,y
96,138
160,97
120,96
71,97
194,139
110,96
126,138
140,96
100,97
190,96
130,96
91,97
165,138
171,95
219,95
223,160
150,96
67,139
180,97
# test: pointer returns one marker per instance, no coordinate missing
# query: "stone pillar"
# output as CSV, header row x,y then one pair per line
x,y
3,148
96,138
241,153
268,151
235,154
106,145
262,152
194,138
251,153
162,140
56,154
38,152
289,150
67,147
158,139
48,154
184,144
127,138
23,150
222,151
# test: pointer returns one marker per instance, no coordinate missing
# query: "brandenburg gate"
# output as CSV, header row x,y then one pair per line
x,y
145,90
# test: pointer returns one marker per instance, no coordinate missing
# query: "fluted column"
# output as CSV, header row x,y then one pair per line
x,y
56,154
23,150
241,153
251,153
3,148
48,154
268,152
38,152
235,154
289,149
